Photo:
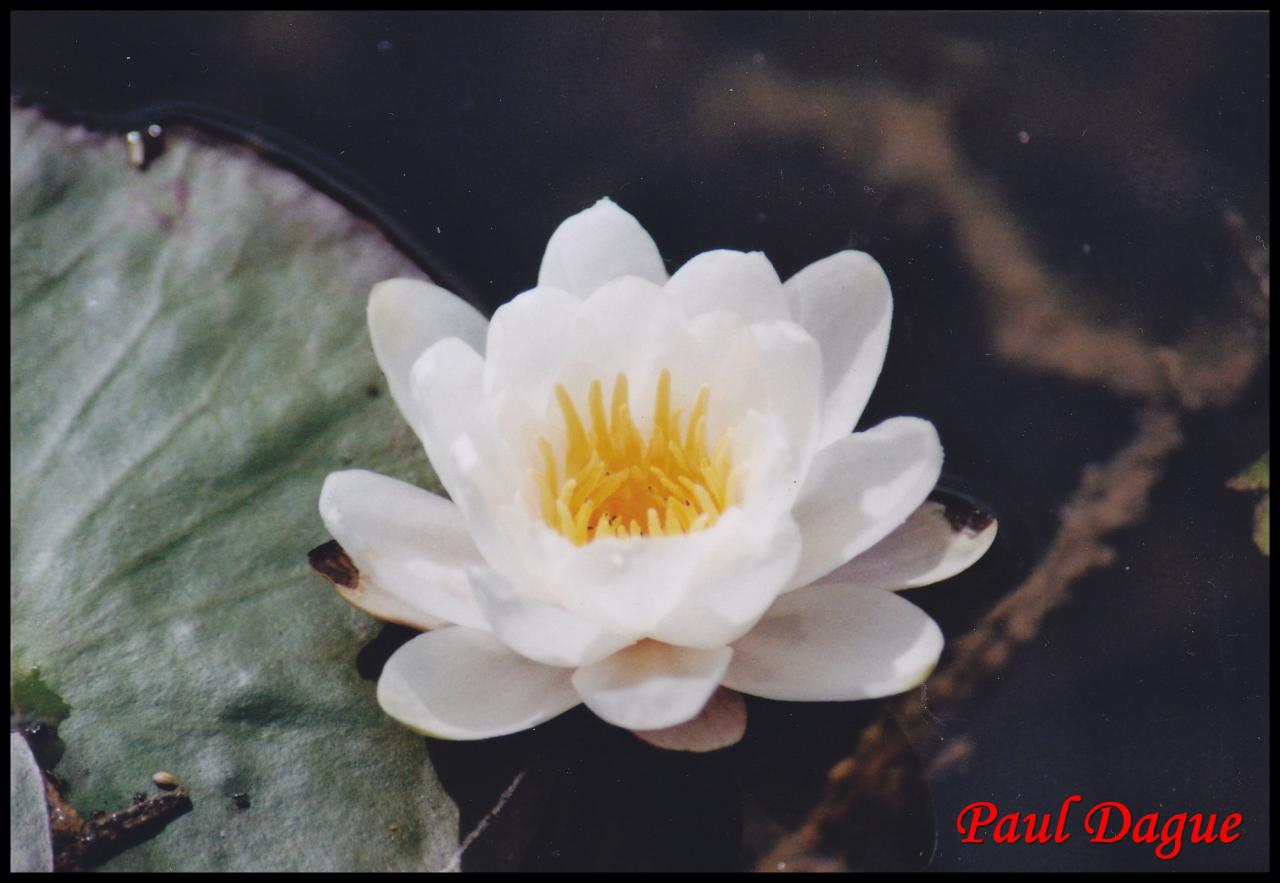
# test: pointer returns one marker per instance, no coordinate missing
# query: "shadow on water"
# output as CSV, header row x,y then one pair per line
x,y
589,797
576,794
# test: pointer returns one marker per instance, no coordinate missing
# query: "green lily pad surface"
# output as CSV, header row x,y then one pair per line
x,y
189,359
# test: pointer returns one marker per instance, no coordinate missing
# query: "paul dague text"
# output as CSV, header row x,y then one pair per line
x,y
1106,822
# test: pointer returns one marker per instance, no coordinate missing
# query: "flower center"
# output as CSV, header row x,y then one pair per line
x,y
613,482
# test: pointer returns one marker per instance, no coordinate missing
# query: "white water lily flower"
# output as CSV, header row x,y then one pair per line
x,y
655,491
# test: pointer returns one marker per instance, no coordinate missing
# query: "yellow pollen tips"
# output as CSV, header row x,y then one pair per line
x,y
612,482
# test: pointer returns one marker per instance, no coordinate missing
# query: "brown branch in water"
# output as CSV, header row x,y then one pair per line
x,y
905,140
1034,315
1253,251
1110,497
79,845
455,863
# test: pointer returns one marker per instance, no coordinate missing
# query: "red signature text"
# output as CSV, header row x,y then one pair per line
x,y
1106,822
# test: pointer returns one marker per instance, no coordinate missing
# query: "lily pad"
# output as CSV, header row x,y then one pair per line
x,y
189,359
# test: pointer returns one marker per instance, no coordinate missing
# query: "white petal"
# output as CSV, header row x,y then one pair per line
x,y
368,596
735,583
628,325
836,642
465,449
629,585
597,245
742,283
545,337
30,843
408,315
446,385
650,686
541,630
928,548
410,544
721,723
793,384
458,683
844,302
860,488
701,589
526,347
771,367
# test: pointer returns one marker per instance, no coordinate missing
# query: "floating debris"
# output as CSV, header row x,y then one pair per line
x,y
80,844
137,150
165,780
144,145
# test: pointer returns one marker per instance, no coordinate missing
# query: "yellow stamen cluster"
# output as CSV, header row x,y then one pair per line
x,y
612,482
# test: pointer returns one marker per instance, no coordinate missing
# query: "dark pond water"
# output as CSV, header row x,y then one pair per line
x,y
1129,153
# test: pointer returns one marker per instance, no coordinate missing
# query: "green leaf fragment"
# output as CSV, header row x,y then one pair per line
x,y
1262,525
1257,477
189,358
31,699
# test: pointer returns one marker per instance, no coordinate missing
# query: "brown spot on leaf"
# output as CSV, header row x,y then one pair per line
x,y
966,518
330,561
